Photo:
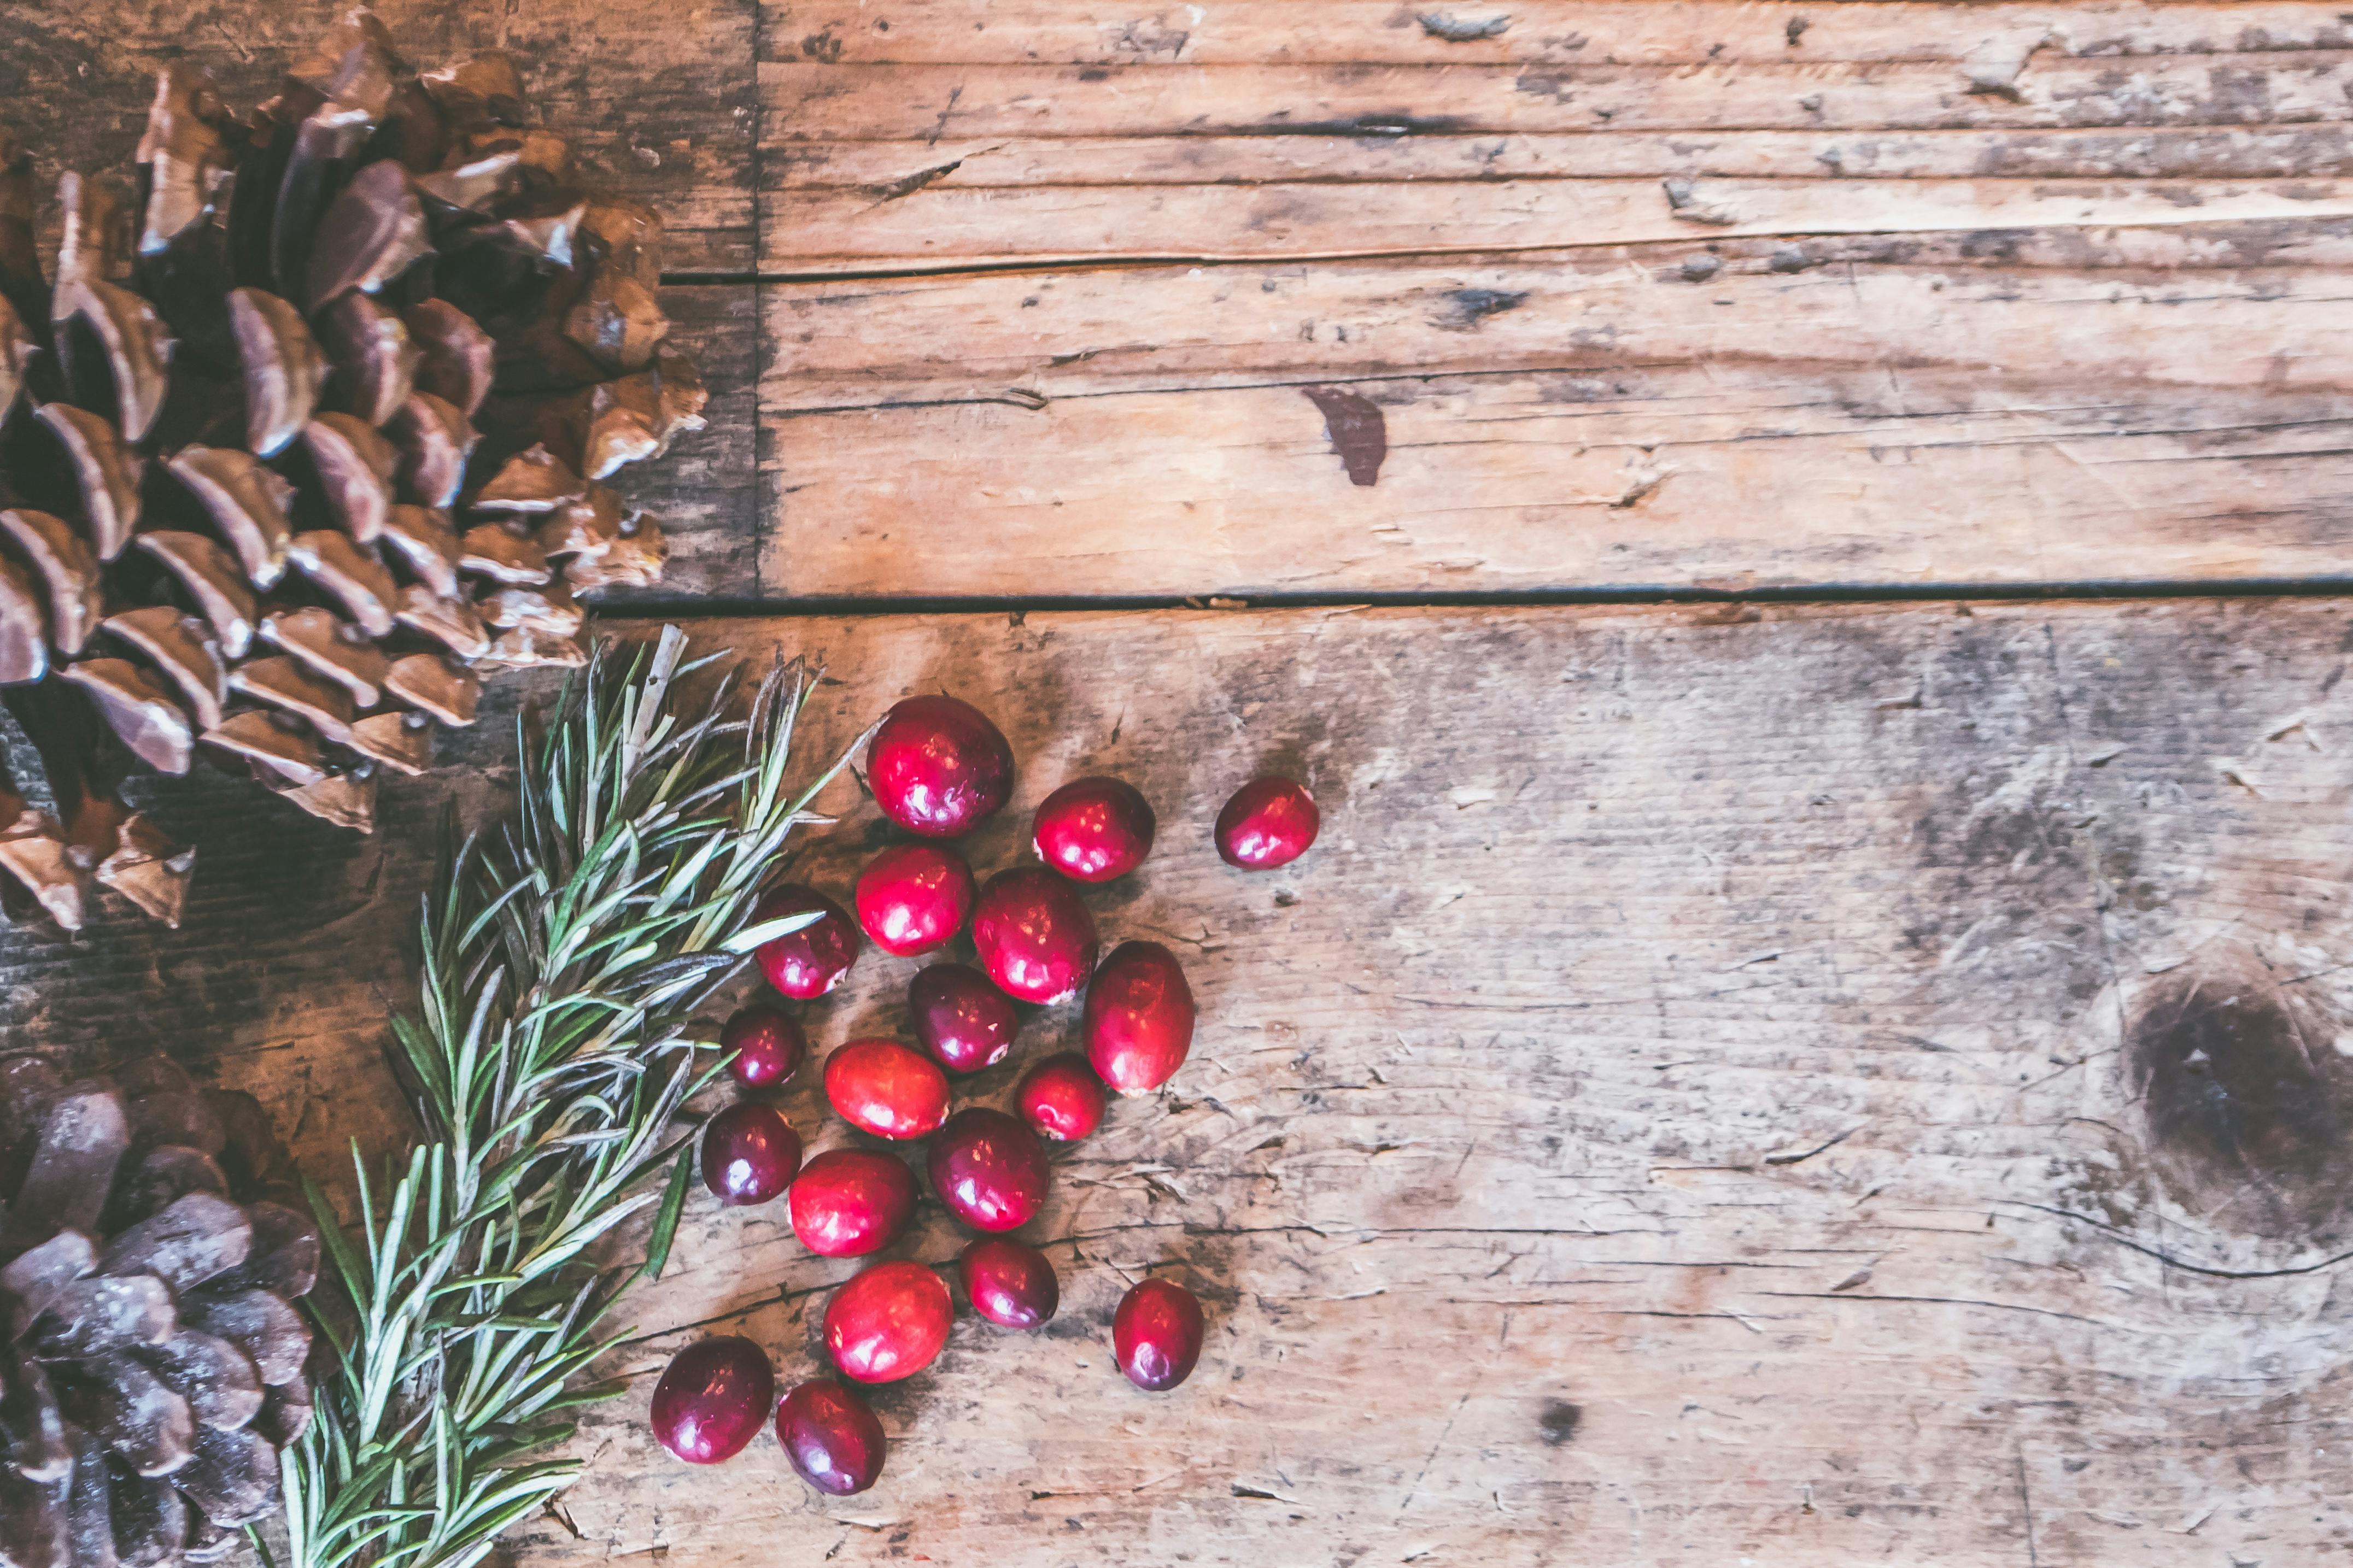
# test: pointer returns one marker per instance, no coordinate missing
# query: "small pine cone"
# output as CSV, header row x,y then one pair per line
x,y
150,1261
300,441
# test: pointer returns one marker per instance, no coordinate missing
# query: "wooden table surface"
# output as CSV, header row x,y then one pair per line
x,y
1856,1070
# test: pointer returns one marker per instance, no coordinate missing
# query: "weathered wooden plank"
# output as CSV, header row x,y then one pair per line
x,y
927,102
2170,153
707,491
2011,408
1538,32
938,227
1725,1084
657,98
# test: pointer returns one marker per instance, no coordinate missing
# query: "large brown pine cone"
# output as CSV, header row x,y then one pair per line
x,y
152,1365
304,436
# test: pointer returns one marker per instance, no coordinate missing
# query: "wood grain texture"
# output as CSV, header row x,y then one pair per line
x,y
656,98
1638,296
1824,1087
2027,407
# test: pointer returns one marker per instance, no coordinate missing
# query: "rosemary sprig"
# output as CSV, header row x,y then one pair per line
x,y
550,1053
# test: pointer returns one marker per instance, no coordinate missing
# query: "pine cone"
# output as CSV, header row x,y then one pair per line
x,y
302,441
153,1362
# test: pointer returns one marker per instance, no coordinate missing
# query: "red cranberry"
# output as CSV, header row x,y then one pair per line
x,y
1011,1284
889,1322
768,1047
912,897
963,1021
1156,1334
1062,1098
1139,1017
1034,938
989,1169
834,1442
749,1154
714,1395
805,963
938,766
848,1203
1094,829
1269,822
886,1089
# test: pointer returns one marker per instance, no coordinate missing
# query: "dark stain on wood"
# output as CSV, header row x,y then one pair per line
x,y
1466,307
2246,1098
1359,433
1461,30
1559,1422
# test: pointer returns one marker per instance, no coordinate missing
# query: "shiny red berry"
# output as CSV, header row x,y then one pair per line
x,y
957,1015
1060,1097
1094,829
886,1089
887,1323
749,1153
847,1202
767,1046
912,897
1156,1334
938,766
1139,1017
1034,938
805,963
831,1439
989,1169
1009,1282
714,1394
1269,822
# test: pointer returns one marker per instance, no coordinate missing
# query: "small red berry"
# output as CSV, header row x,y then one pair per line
x,y
1062,1098
714,1395
887,1323
1010,1283
989,1169
1139,1017
832,1439
1034,938
886,1089
957,1015
912,897
1269,822
768,1048
1156,1334
1094,829
749,1153
938,766
847,1202
805,963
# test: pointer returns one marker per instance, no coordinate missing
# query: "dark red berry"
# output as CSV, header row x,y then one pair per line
x,y
938,766
847,1202
1156,1335
714,1395
1269,822
1010,1283
749,1153
833,1441
886,1089
1139,1017
1062,1098
768,1047
887,1323
1094,829
957,1015
808,963
1034,938
912,897
989,1169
